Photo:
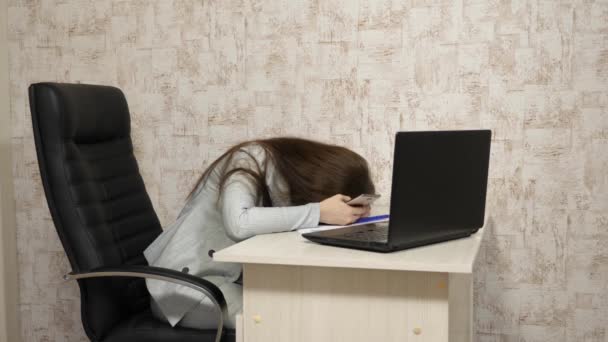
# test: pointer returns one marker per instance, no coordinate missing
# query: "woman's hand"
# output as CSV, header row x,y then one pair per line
x,y
334,210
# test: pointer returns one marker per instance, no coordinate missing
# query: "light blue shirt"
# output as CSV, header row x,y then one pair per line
x,y
208,223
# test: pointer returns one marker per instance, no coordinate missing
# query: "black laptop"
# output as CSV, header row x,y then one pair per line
x,y
439,193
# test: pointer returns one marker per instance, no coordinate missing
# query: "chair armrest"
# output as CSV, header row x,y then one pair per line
x,y
164,274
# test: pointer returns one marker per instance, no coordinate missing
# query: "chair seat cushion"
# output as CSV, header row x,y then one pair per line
x,y
144,327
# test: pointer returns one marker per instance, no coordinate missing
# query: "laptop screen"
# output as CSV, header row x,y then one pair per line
x,y
439,180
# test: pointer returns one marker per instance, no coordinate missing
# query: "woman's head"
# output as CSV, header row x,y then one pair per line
x,y
312,170
315,171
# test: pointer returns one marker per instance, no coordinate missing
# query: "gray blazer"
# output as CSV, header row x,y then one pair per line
x,y
207,224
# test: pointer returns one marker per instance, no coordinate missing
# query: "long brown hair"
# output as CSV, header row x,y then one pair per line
x,y
312,170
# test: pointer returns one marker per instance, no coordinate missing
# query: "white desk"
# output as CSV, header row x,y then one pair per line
x,y
299,291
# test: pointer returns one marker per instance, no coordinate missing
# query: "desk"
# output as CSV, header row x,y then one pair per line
x,y
298,291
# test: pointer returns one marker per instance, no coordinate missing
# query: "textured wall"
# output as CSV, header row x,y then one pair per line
x,y
201,75
8,251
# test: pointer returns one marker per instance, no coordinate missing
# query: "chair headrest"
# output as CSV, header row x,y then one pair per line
x,y
84,113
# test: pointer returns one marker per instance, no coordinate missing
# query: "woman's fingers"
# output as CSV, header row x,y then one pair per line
x,y
358,211
334,210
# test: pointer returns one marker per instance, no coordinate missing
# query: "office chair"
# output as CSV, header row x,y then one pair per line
x,y
103,215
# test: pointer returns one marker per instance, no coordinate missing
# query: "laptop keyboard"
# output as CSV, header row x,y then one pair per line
x,y
377,234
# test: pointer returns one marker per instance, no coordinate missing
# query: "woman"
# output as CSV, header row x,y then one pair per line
x,y
256,187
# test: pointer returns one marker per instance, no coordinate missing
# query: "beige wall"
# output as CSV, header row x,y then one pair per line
x,y
9,331
202,74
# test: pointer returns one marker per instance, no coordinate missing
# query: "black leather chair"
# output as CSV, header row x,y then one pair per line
x,y
103,215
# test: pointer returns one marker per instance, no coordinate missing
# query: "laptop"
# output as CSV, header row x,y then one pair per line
x,y
438,193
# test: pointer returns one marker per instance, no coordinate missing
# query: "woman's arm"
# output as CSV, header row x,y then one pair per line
x,y
243,219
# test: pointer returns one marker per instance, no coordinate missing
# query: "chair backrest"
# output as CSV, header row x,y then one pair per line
x,y
96,196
